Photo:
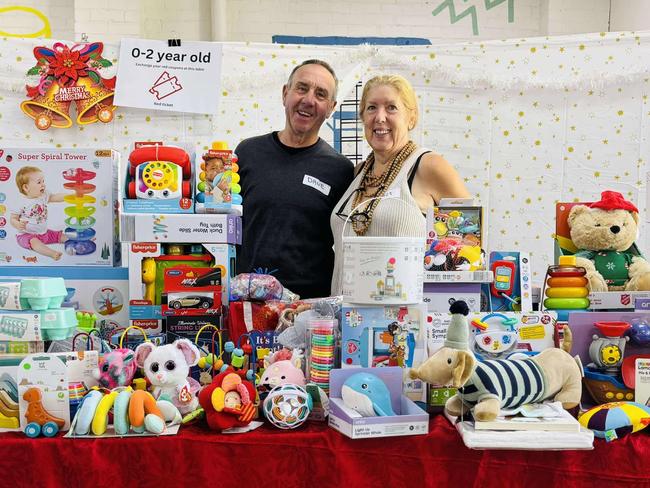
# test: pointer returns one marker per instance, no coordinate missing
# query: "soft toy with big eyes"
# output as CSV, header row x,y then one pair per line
x,y
167,368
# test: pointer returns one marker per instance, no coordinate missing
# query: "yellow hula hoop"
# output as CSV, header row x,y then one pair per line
x,y
45,32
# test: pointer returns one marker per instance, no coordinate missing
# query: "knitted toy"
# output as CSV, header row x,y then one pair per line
x,y
488,386
604,233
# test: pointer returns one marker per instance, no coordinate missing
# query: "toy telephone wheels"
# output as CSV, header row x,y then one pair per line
x,y
131,189
187,189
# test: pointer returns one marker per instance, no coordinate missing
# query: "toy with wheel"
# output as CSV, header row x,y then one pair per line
x,y
80,221
39,420
159,172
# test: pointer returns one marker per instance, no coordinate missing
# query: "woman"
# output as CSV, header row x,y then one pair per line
x,y
396,170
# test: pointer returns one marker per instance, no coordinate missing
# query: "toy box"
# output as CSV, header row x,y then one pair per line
x,y
57,207
439,296
499,335
43,394
436,330
217,181
377,336
101,291
147,264
191,291
382,270
455,239
511,289
224,229
157,178
409,419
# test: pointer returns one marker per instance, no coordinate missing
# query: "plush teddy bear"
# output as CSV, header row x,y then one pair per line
x,y
604,232
487,386
116,368
167,368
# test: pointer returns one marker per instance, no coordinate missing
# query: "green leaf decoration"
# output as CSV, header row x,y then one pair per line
x,y
94,76
105,63
34,71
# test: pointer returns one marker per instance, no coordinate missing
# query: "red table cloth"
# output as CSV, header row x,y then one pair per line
x,y
312,456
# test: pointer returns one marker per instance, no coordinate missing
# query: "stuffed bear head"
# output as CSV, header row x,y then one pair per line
x,y
602,229
168,365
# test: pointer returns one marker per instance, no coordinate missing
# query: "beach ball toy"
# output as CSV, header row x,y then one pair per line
x,y
287,406
613,420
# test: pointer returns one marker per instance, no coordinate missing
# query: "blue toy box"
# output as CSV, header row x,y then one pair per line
x,y
379,336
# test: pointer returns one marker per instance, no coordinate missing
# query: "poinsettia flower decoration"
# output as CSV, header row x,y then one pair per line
x,y
67,66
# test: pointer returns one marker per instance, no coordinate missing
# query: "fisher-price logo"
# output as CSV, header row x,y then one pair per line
x,y
144,247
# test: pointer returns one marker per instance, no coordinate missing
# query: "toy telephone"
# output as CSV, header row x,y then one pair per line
x,y
159,172
495,343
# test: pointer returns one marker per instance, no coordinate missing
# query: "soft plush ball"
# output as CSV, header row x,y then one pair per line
x,y
613,420
287,406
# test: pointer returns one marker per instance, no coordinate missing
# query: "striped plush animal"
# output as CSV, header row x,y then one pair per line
x,y
491,385
116,368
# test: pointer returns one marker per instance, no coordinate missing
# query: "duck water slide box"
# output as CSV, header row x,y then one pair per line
x,y
62,198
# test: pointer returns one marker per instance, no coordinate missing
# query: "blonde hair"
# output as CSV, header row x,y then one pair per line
x,y
403,88
22,177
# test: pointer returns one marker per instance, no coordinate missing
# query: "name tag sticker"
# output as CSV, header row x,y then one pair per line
x,y
317,184
393,193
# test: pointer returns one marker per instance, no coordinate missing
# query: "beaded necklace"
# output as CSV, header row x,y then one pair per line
x,y
382,181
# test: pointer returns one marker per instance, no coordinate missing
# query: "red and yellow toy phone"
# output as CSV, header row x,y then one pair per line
x,y
504,278
159,172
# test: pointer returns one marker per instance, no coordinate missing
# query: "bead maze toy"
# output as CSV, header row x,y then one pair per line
x,y
217,181
158,179
80,213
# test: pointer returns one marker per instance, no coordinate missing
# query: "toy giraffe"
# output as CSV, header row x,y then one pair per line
x,y
35,410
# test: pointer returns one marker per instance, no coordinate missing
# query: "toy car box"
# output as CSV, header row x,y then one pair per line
x,y
57,207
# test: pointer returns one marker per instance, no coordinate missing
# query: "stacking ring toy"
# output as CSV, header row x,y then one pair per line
x,y
566,303
567,292
562,282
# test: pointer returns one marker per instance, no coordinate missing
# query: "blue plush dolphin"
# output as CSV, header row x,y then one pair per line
x,y
367,394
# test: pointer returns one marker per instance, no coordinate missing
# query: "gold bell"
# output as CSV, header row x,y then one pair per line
x,y
99,106
47,111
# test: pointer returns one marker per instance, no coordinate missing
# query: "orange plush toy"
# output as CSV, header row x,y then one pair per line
x,y
229,401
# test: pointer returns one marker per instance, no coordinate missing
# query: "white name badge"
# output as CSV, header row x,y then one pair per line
x,y
393,193
317,184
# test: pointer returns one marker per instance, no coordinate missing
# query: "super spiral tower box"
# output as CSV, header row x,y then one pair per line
x,y
57,207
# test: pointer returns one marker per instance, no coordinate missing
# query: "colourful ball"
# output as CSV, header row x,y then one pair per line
x,y
235,167
200,197
287,406
235,188
236,199
235,178
202,176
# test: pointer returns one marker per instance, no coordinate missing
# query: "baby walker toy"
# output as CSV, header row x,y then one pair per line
x,y
80,219
40,421
159,172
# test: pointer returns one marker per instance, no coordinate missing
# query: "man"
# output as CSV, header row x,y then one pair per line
x,y
291,180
